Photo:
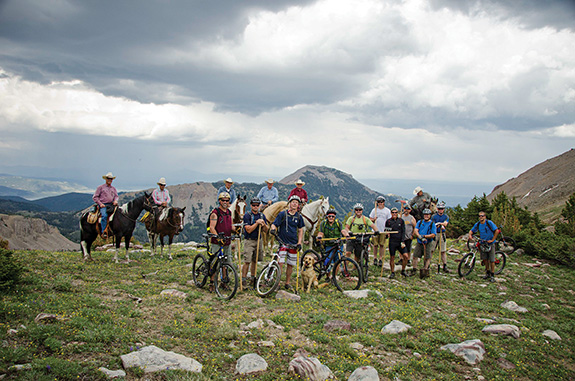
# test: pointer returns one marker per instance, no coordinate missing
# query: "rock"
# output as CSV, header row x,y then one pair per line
x,y
336,325
472,351
112,373
153,359
417,355
265,343
284,295
533,264
20,367
546,306
503,329
364,373
360,294
551,334
356,346
47,318
274,325
12,332
505,364
511,305
395,327
250,363
310,368
484,320
256,324
174,292
520,252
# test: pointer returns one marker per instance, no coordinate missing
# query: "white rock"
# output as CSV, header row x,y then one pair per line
x,y
364,373
551,334
153,359
486,321
174,292
356,346
546,306
266,343
503,329
472,351
511,305
112,373
250,363
395,327
256,324
310,368
360,294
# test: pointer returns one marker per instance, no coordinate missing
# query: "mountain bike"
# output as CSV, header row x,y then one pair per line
x,y
467,263
503,243
343,272
269,278
361,250
216,268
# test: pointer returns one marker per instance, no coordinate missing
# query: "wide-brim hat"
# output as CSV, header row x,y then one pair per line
x,y
270,181
162,181
417,190
229,180
299,182
109,175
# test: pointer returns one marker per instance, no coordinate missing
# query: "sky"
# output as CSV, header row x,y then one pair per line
x,y
436,91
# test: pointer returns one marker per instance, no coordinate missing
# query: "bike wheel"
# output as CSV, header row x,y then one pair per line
x,y
268,280
226,281
506,245
346,274
471,243
466,265
200,271
309,251
364,264
500,260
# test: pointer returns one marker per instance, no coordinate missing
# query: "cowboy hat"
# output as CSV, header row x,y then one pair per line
x,y
417,190
229,180
299,182
162,181
270,181
108,176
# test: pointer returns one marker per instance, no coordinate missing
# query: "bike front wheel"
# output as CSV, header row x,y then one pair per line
x,y
346,274
268,280
364,264
506,245
500,260
200,271
466,265
226,281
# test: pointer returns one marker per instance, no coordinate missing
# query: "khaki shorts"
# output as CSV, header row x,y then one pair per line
x,y
489,255
379,240
418,251
250,250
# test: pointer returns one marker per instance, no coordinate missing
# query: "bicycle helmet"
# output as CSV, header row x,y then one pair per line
x,y
406,206
294,197
441,205
426,211
255,200
224,195
331,211
380,198
394,209
358,206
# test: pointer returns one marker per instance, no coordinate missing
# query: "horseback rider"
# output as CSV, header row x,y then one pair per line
x,y
300,192
421,199
161,199
268,195
227,187
104,196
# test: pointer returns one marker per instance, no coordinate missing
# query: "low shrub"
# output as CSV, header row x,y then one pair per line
x,y
10,269
548,245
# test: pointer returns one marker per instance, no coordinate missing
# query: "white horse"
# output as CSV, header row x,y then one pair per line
x,y
312,214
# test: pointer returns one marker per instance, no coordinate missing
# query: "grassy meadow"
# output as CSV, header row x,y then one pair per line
x,y
99,322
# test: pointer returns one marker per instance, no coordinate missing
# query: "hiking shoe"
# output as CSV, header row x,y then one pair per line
x,y
403,273
380,263
374,261
487,275
445,269
421,273
288,287
409,262
492,278
413,272
392,275
245,282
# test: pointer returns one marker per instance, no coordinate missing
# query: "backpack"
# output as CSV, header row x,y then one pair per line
x,y
217,211
488,226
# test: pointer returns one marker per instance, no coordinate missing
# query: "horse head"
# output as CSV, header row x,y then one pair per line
x,y
433,205
148,201
324,206
177,216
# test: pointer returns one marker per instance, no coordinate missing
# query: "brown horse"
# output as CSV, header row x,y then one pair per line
x,y
238,209
271,212
171,225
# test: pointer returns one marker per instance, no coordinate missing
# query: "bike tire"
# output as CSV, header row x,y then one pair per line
x,y
309,251
346,274
466,265
506,245
268,280
500,261
200,271
471,243
364,264
226,281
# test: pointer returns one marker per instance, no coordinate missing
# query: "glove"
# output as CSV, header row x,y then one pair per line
x,y
350,234
298,247
403,245
375,234
274,232
424,241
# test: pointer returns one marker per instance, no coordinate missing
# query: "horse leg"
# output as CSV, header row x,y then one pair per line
x,y
170,239
127,238
152,240
118,239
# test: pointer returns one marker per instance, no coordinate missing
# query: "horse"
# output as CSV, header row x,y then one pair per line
x,y
238,209
172,225
418,213
271,212
122,224
312,213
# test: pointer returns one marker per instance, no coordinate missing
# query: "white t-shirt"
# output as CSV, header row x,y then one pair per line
x,y
382,215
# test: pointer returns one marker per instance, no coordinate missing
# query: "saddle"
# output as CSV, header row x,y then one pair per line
x,y
93,216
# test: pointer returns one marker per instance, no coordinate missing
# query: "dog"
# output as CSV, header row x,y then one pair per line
x,y
308,274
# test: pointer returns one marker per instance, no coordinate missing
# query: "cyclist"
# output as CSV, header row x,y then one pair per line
x,y
425,232
220,222
254,221
106,195
289,224
410,223
488,231
396,242
331,227
357,224
441,220
379,215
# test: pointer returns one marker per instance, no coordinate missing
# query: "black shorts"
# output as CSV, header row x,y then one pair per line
x,y
395,246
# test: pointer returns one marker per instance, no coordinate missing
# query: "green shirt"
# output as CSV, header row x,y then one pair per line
x,y
359,225
331,231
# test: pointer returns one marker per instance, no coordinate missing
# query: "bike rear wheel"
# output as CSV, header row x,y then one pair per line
x,y
226,281
471,243
200,271
364,264
466,265
346,274
500,260
506,245
268,280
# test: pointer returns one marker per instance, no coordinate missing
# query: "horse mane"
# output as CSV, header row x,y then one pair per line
x,y
273,210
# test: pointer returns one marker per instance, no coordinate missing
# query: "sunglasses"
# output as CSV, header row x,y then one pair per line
x,y
482,215
225,200
357,210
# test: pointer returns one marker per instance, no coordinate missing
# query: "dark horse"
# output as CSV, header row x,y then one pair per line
x,y
431,205
122,224
173,224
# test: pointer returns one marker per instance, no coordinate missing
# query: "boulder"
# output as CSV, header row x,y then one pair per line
x,y
174,292
284,295
153,359
310,368
503,329
364,373
360,294
511,305
472,351
395,327
251,363
551,334
112,373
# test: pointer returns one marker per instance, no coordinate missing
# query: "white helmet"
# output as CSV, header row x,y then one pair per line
x,y
358,206
294,197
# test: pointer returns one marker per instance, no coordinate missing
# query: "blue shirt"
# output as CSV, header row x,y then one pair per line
x,y
249,219
266,195
425,228
437,218
232,193
486,230
288,226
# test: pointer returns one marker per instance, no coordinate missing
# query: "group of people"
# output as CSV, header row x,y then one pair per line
x,y
399,227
